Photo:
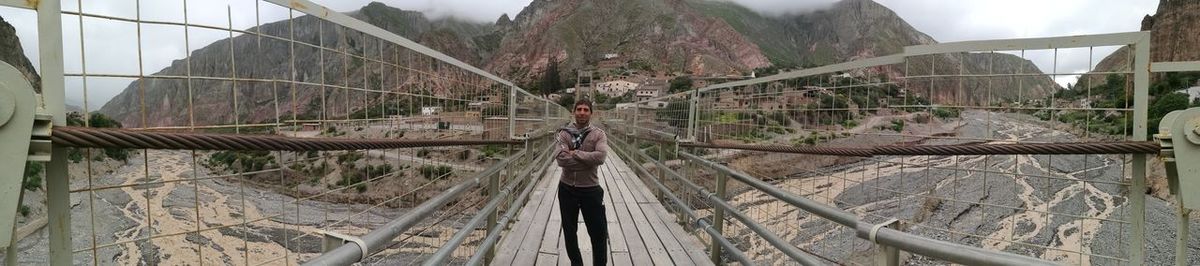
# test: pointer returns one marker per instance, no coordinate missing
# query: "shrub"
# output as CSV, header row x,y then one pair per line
x,y
96,120
489,151
248,161
353,176
33,176
945,113
432,171
898,125
349,157
849,123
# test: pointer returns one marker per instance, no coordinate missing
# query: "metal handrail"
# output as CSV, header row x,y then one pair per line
x,y
789,250
443,253
956,253
700,222
381,237
494,236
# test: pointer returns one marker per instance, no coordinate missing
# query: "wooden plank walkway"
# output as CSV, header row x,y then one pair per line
x,y
641,231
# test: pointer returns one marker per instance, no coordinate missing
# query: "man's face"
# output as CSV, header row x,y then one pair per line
x,y
583,113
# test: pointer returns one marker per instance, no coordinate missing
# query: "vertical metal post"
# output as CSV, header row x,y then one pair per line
x,y
691,130
893,255
493,188
634,123
1181,235
10,256
512,113
718,219
688,173
636,146
58,198
1137,195
660,174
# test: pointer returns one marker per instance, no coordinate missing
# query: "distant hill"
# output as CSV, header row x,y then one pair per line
x,y
1172,33
166,100
704,37
11,53
699,37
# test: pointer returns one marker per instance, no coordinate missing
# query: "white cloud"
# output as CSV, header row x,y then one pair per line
x,y
486,11
112,47
784,7
950,21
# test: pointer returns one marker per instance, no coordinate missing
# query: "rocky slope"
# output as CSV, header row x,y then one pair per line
x,y
935,198
1172,34
701,37
706,37
11,53
667,34
451,37
166,100
847,30
857,29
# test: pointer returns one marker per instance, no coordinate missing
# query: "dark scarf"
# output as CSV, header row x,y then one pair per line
x,y
577,135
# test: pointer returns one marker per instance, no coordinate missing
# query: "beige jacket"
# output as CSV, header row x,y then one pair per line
x,y
579,169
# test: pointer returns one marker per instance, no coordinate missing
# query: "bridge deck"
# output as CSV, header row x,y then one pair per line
x,y
641,231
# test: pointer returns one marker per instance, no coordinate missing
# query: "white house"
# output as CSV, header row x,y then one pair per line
x,y
652,88
616,88
654,105
430,110
1193,93
646,93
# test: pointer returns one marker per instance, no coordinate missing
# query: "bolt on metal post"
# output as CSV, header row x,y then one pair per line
x,y
718,219
493,191
661,176
892,254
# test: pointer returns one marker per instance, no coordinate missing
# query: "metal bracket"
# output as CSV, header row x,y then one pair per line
x,y
333,240
24,136
1179,136
875,229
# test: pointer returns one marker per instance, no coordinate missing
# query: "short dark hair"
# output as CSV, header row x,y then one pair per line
x,y
583,102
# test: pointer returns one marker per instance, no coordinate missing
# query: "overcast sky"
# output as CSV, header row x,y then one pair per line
x,y
111,47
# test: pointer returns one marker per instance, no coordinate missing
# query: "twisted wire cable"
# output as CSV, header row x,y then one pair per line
x,y
82,137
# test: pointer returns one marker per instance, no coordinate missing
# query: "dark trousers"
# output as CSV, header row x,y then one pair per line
x,y
590,201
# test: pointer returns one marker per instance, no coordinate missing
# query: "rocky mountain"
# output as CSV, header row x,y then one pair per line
x,y
701,37
166,100
11,53
847,30
1172,34
451,37
667,34
705,37
857,29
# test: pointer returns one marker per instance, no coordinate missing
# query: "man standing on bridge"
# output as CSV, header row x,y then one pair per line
x,y
580,149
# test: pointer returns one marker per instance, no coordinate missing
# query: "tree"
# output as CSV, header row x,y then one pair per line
x,y
675,114
601,98
773,69
639,64
567,100
680,83
551,82
1165,104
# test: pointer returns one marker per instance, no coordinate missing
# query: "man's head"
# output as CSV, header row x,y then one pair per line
x,y
582,111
